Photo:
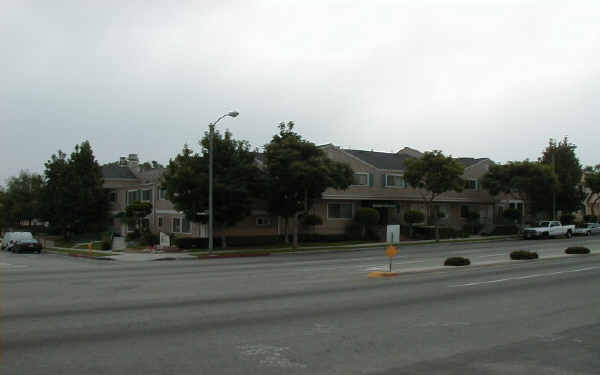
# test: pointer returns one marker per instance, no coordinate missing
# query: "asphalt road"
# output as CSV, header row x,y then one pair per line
x,y
305,314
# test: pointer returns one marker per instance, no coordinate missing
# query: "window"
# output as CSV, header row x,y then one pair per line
x,y
147,195
263,221
394,180
472,185
162,194
160,221
113,196
361,179
181,225
133,196
339,211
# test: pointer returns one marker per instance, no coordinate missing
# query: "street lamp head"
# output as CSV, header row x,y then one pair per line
x,y
233,114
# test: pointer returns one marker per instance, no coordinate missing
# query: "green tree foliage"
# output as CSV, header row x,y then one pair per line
x,y
592,182
569,195
74,199
366,217
2,208
298,172
434,174
236,181
137,211
529,181
23,198
412,217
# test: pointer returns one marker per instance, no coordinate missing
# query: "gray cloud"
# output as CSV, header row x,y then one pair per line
x,y
146,77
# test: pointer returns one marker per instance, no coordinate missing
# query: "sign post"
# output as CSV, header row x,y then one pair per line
x,y
391,252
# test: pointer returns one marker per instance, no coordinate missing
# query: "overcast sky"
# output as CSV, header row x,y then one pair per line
x,y
146,77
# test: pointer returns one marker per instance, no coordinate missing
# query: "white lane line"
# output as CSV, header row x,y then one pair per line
x,y
493,255
522,277
8,265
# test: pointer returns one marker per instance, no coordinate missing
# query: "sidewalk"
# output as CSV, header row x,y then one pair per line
x,y
153,256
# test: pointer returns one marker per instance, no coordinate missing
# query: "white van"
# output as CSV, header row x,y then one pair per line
x,y
11,238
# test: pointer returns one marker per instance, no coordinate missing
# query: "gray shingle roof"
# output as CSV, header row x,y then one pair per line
x,y
388,160
115,171
381,160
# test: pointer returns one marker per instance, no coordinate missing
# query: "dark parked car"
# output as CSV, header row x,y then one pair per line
x,y
31,245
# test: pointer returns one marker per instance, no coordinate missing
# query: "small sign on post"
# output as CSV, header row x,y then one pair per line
x,y
391,252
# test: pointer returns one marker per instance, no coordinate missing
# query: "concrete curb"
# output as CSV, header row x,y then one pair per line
x,y
75,255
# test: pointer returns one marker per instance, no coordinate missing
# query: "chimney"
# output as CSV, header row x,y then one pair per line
x,y
133,161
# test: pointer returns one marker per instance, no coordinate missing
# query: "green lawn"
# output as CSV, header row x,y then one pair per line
x,y
78,252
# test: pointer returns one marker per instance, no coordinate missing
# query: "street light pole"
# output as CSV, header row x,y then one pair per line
x,y
211,135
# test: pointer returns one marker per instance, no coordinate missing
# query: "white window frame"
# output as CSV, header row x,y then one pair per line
x,y
403,186
162,194
134,191
476,181
266,221
340,218
181,219
365,174
142,195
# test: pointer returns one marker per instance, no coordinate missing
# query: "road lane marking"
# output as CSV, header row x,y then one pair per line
x,y
8,265
521,277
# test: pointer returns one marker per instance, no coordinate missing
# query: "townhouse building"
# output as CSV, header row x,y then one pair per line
x,y
378,183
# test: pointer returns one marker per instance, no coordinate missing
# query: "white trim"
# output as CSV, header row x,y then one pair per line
x,y
395,186
340,218
362,173
168,212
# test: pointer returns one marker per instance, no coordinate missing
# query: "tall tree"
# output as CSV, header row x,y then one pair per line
x,y
562,158
434,174
298,172
529,181
592,182
74,197
23,198
236,181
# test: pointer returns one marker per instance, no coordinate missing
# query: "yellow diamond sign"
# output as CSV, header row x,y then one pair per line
x,y
391,251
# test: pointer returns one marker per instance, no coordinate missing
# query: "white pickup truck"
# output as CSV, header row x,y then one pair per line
x,y
547,229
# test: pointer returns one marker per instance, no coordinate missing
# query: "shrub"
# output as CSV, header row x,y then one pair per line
x,y
366,217
523,254
590,219
502,230
312,220
457,261
105,245
353,231
149,238
577,250
132,236
412,217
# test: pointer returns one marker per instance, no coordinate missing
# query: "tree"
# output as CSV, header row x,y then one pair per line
x,y
137,211
561,157
74,197
434,174
23,198
366,217
298,172
592,182
311,221
235,185
412,217
529,181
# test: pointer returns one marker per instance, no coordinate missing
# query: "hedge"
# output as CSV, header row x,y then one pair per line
x,y
577,250
457,261
523,254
